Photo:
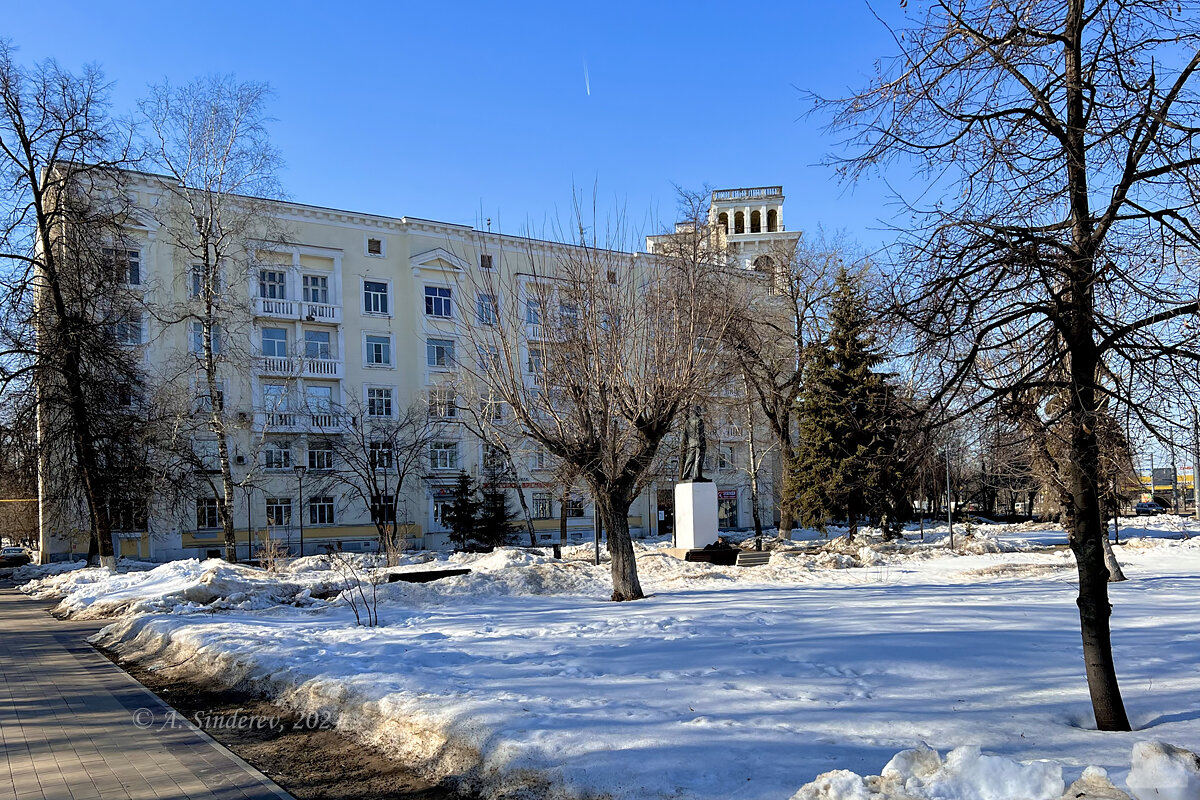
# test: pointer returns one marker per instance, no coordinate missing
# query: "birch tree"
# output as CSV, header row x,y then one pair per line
x,y
210,138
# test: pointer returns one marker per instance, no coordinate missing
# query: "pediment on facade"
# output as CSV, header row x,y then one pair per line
x,y
438,260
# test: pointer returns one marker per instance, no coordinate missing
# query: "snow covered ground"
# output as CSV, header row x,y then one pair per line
x,y
727,682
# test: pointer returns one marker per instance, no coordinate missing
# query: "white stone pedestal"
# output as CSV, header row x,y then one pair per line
x,y
695,514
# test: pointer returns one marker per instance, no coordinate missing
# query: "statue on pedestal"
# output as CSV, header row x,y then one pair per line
x,y
692,463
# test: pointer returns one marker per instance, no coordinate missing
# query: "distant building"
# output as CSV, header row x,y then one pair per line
x,y
354,305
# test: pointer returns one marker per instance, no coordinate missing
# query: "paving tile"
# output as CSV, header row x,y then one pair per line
x,y
66,729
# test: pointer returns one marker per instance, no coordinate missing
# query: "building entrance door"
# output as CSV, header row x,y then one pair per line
x,y
666,511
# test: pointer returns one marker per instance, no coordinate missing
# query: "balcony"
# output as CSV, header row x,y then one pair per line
x,y
276,309
749,193
300,422
297,310
321,312
301,367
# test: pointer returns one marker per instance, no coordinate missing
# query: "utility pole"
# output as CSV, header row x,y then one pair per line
x,y
1152,500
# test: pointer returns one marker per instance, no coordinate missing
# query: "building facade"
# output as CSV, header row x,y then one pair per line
x,y
341,316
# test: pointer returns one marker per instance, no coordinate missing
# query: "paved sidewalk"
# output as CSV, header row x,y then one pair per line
x,y
67,727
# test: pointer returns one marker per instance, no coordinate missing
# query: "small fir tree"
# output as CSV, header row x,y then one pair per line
x,y
497,519
462,514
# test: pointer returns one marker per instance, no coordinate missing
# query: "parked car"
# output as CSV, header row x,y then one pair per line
x,y
1148,509
14,557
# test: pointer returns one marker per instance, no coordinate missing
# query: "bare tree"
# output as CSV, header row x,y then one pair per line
x,y
1061,144
210,138
67,308
596,352
368,448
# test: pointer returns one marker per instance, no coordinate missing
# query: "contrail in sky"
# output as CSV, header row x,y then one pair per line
x,y
587,81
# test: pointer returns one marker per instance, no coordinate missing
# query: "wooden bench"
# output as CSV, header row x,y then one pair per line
x,y
753,558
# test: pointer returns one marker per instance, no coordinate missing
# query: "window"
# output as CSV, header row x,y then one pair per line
x,y
383,508
197,338
272,284
485,260
533,312
200,278
208,455
317,345
320,456
725,461
319,401
443,455
493,458
277,455
207,515
487,310
574,507
491,408
124,393
438,302
569,314
127,264
374,247
489,357
612,276
442,403
279,511
537,459
542,505
439,353
379,455
316,289
205,403
534,364
320,510
378,350
379,401
128,514
375,297
128,332
275,397
440,505
274,342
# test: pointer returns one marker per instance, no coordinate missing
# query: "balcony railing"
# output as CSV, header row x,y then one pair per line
x,y
300,422
322,312
749,193
302,367
280,309
297,309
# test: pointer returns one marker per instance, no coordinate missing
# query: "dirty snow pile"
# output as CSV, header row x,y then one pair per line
x,y
174,587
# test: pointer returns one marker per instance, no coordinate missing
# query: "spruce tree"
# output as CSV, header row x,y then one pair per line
x,y
844,464
497,521
461,516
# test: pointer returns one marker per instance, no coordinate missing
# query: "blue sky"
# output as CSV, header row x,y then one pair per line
x,y
461,111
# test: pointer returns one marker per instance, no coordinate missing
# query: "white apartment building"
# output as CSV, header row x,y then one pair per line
x,y
354,310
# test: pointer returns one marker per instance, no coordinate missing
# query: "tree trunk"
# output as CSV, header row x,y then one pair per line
x,y
614,512
562,518
1115,575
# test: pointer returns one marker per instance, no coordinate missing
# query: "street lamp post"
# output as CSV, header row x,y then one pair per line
x,y
1195,463
299,470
